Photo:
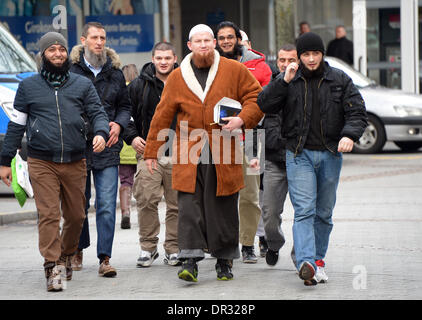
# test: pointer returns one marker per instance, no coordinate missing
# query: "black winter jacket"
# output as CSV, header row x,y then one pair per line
x,y
111,88
342,108
275,144
54,125
145,94
341,48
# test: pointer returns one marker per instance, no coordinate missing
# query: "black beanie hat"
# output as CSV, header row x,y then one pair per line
x,y
309,41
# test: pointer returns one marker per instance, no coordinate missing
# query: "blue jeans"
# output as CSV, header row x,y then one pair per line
x,y
313,178
106,182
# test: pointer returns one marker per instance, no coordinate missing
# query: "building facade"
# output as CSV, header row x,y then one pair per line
x,y
385,32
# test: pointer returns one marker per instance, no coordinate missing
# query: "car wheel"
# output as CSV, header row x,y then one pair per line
x,y
408,146
373,139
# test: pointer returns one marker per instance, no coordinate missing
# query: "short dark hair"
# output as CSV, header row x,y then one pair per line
x,y
163,46
89,25
304,22
287,47
228,24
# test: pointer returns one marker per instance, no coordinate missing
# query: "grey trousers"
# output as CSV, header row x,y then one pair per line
x,y
274,195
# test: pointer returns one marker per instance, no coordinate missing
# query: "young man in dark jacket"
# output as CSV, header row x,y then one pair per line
x,y
323,115
49,107
145,94
102,66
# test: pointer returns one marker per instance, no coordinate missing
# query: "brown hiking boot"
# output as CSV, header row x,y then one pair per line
x,y
76,260
106,270
53,275
66,262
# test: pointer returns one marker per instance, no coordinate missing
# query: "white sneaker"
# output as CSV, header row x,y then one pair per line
x,y
171,259
320,275
146,258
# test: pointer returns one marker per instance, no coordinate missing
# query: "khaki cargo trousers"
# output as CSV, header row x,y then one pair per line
x,y
148,191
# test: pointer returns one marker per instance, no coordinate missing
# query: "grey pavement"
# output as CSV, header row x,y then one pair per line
x,y
375,249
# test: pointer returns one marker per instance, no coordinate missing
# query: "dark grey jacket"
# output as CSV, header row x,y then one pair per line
x,y
343,112
54,127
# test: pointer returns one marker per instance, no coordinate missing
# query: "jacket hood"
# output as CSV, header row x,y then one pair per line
x,y
148,71
250,54
75,56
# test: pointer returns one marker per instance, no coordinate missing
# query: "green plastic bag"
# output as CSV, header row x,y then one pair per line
x,y
20,194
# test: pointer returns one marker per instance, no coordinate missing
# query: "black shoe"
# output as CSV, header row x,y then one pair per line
x,y
189,271
271,257
263,246
223,268
125,223
248,254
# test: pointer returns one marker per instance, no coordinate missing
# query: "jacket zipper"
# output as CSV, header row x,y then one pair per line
x,y
304,114
60,125
322,132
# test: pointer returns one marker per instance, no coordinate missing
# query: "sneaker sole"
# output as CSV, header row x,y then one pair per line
x,y
109,274
175,264
311,282
55,288
149,262
250,261
187,276
224,278
307,271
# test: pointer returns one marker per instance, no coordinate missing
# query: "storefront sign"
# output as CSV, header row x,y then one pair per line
x,y
28,30
129,33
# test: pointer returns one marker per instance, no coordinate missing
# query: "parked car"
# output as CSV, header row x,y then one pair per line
x,y
15,65
393,115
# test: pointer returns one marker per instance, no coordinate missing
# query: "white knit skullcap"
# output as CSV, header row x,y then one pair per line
x,y
200,28
244,35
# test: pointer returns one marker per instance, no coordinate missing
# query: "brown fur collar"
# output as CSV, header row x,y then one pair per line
x,y
75,55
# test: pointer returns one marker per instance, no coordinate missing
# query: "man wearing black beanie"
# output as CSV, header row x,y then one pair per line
x,y
324,114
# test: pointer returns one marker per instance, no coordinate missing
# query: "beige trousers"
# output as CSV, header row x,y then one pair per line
x,y
249,209
147,190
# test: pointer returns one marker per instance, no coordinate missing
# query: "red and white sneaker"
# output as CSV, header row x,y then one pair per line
x,y
320,275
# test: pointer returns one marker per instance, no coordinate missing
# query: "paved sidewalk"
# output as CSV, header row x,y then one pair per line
x,y
375,250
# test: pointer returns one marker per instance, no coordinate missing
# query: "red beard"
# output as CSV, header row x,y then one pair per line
x,y
203,60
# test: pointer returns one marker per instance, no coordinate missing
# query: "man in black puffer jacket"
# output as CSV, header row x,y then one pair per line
x,y
49,107
102,66
323,115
